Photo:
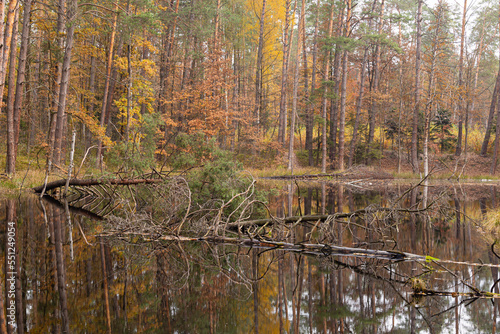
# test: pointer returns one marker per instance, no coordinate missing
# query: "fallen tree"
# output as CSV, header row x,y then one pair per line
x,y
93,182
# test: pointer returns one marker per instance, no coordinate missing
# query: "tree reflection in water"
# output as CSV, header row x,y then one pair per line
x,y
260,286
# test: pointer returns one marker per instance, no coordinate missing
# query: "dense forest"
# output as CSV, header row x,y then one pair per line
x,y
322,82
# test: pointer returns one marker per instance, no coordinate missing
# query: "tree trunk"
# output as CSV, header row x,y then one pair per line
x,y
258,72
476,75
16,108
428,106
310,117
489,124
284,77
376,79
334,105
400,95
325,93
461,89
6,37
309,113
165,58
358,107
416,110
129,93
343,93
11,116
109,66
57,130
91,104
63,92
296,86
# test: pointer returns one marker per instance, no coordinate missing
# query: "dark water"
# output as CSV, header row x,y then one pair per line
x,y
69,279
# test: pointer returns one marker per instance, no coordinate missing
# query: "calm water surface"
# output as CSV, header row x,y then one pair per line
x,y
69,279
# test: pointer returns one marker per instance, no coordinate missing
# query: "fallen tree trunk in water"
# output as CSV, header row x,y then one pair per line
x,y
315,218
93,182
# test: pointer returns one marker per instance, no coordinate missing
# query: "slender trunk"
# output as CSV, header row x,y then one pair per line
x,y
129,93
361,90
91,105
258,71
428,106
166,63
461,89
310,117
284,77
416,110
358,107
16,117
58,122
476,76
11,116
296,86
325,93
376,79
489,124
7,36
334,105
109,66
343,93
400,97
63,92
